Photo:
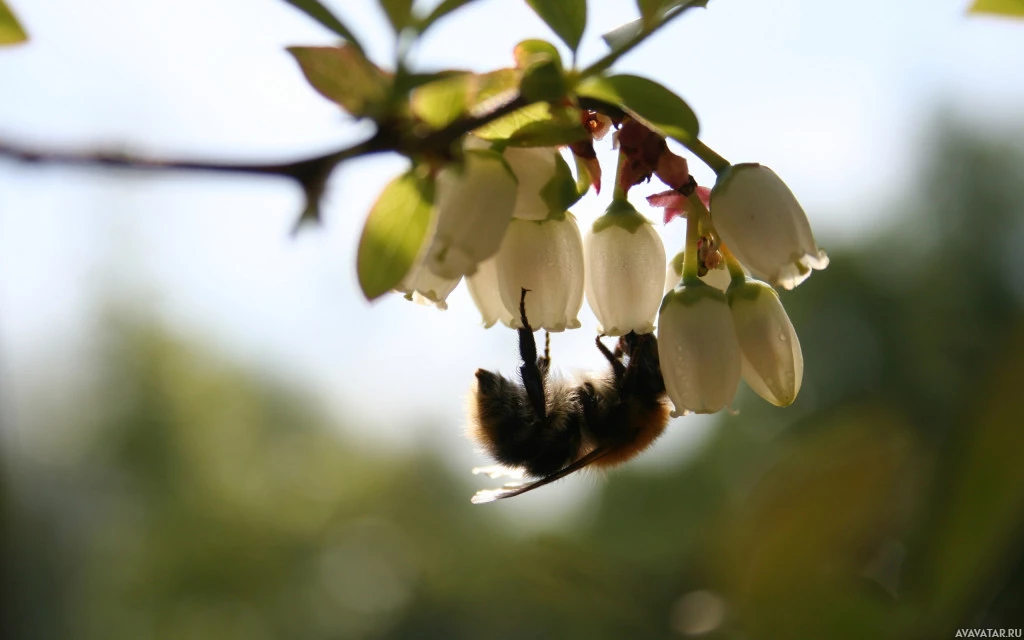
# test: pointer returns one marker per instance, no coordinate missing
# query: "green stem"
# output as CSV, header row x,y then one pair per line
x,y
733,265
690,266
717,163
618,191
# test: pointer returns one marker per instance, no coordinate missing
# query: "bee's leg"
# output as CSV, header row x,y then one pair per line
x,y
615,359
545,362
531,371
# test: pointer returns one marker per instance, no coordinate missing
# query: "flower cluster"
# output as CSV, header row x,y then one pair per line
x,y
712,330
717,316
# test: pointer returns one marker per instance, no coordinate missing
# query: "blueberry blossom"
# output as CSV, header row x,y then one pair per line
x,y
546,258
534,168
423,286
698,349
773,364
625,260
483,288
761,222
475,202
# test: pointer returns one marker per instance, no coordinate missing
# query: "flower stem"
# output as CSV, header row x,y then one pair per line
x,y
618,191
733,265
708,156
690,265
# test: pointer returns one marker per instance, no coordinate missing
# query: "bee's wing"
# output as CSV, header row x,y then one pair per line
x,y
511,490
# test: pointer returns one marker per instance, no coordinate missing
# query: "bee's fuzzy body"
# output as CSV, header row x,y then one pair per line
x,y
550,428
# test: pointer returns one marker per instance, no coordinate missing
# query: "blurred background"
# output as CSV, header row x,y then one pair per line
x,y
206,432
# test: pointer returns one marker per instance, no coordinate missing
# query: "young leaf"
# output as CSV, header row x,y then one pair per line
x,y
441,11
343,75
393,234
567,18
398,12
504,128
1014,8
621,35
10,31
561,191
543,81
319,12
583,177
442,101
647,101
547,133
528,52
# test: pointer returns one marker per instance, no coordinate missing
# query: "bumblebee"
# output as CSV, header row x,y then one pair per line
x,y
547,429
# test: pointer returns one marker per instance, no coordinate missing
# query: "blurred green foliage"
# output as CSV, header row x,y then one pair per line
x,y
888,502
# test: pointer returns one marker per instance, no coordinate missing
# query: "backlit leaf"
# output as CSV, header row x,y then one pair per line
x,y
11,31
343,75
398,12
443,101
319,12
393,234
1013,8
653,11
647,101
567,18
441,11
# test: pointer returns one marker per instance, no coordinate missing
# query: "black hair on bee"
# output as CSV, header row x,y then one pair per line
x,y
549,429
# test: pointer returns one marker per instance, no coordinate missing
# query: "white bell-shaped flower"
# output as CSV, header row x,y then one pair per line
x,y
546,258
483,288
423,286
764,226
773,364
718,277
474,206
698,349
625,260
534,168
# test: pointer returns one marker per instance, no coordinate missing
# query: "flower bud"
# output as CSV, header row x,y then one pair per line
x,y
764,226
625,258
423,286
773,364
483,288
697,346
718,277
546,258
474,206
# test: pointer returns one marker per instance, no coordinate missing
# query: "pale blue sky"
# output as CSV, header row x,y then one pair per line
x,y
834,96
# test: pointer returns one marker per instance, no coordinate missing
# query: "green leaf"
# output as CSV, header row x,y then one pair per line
x,y
647,101
343,75
319,12
398,12
583,177
10,31
496,86
547,133
560,192
543,82
1013,8
620,36
654,11
528,52
393,234
567,18
442,101
441,11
